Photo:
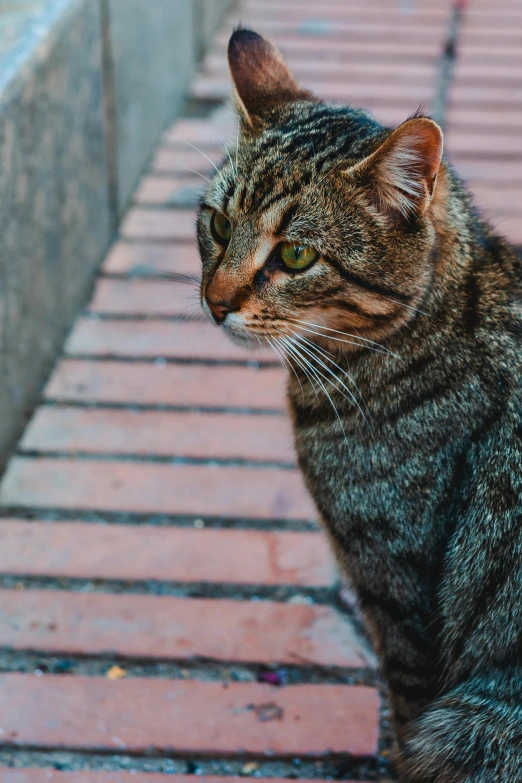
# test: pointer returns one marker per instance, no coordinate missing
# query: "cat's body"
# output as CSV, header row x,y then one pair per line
x,y
404,337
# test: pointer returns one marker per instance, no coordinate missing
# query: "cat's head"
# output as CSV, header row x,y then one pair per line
x,y
321,219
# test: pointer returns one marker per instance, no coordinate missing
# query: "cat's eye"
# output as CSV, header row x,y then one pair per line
x,y
297,256
221,227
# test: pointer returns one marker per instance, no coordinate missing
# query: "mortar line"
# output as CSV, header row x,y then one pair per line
x,y
447,61
111,119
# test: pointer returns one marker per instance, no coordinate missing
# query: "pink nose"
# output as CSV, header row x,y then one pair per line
x,y
220,310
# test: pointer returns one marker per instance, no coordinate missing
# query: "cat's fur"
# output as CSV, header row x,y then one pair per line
x,y
419,484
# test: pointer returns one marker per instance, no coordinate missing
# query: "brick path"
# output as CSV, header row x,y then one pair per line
x,y
162,567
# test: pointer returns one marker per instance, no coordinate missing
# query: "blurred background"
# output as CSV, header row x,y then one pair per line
x,y
165,591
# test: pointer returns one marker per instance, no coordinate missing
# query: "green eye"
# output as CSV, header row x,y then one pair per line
x,y
221,227
298,256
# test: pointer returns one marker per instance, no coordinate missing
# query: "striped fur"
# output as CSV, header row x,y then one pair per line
x,y
404,348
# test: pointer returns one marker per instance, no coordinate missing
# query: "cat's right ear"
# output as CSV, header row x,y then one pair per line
x,y
401,174
261,79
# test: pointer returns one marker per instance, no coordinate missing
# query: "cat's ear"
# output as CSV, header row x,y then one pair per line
x,y
260,77
401,174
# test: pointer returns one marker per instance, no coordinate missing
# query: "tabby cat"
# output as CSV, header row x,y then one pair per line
x,y
356,253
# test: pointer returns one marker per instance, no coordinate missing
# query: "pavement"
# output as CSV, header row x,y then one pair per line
x,y
168,605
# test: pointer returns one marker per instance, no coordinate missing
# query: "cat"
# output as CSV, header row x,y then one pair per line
x,y
356,253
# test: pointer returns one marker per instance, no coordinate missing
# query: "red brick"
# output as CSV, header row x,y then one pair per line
x,y
498,96
357,92
508,36
146,297
491,39
206,718
473,120
328,31
494,171
142,552
169,190
488,145
390,115
170,384
203,435
484,73
186,340
33,775
510,227
173,161
353,72
155,488
201,132
493,201
170,224
498,52
148,626
390,32
498,15
355,7
149,258
325,49
339,11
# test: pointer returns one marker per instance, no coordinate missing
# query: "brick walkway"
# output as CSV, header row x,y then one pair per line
x,y
162,567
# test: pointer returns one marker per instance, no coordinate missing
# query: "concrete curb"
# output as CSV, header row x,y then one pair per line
x,y
86,87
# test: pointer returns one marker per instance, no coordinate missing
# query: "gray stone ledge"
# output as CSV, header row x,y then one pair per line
x,y
86,87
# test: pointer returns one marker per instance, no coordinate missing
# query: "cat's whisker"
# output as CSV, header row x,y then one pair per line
x,y
188,317
408,307
349,395
318,375
279,356
328,356
177,277
346,334
186,168
303,367
332,168
293,348
237,145
189,278
205,156
234,170
275,342
381,349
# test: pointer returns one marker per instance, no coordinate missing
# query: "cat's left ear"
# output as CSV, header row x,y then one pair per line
x,y
260,76
402,173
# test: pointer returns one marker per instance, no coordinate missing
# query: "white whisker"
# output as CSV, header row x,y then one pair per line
x,y
409,307
229,156
279,355
381,349
196,172
318,375
328,356
237,145
303,367
349,395
275,340
346,334
205,156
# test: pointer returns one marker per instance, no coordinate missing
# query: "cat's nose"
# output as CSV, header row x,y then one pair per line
x,y
220,310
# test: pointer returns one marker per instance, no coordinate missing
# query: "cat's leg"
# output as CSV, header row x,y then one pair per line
x,y
473,734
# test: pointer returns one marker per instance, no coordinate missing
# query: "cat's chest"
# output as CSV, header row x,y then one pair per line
x,y
344,467
363,476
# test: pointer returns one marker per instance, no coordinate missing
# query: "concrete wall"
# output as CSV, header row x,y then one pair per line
x,y
209,14
86,87
153,53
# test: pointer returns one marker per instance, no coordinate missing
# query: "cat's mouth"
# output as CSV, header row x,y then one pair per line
x,y
244,334
240,334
